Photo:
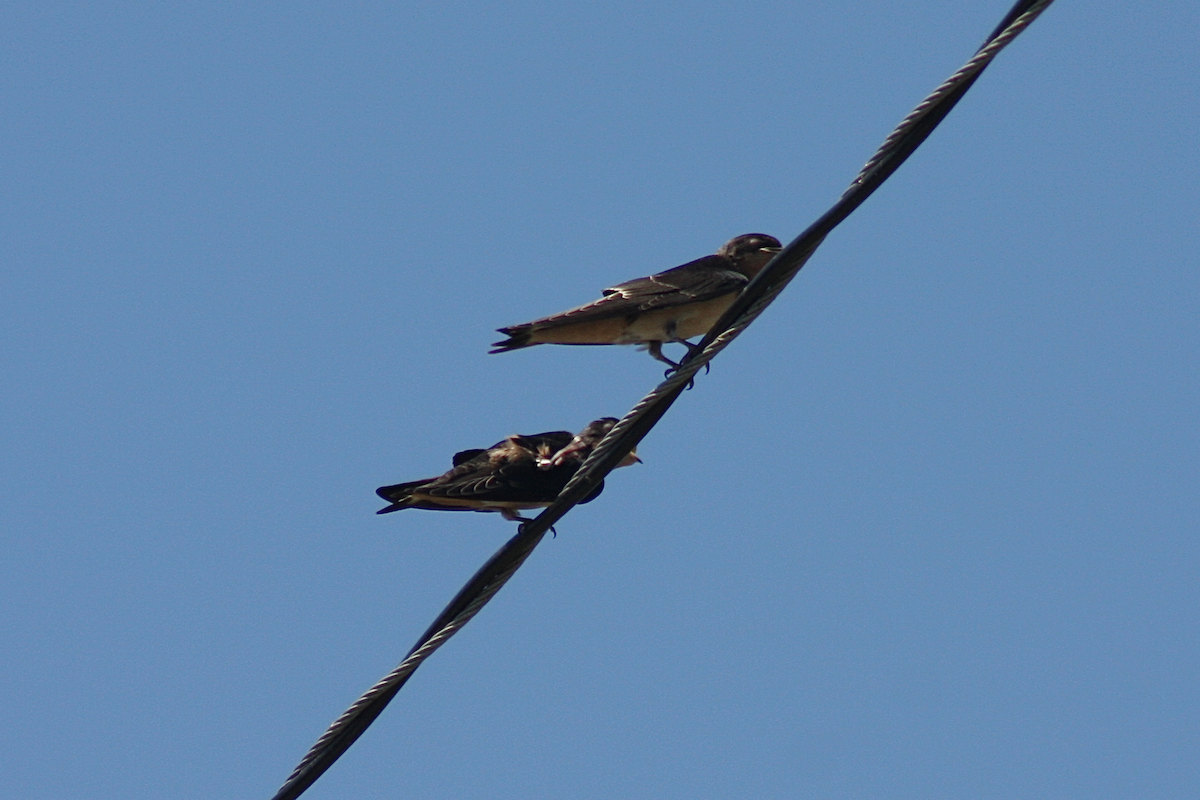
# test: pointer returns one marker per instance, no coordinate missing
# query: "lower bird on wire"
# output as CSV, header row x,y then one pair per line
x,y
521,472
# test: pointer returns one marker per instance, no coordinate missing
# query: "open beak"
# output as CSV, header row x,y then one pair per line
x,y
630,459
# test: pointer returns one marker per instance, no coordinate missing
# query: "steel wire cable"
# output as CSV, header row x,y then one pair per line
x,y
625,435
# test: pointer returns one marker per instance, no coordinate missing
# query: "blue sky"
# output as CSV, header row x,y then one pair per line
x,y
928,529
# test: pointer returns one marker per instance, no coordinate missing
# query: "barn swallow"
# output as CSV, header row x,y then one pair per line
x,y
672,306
518,473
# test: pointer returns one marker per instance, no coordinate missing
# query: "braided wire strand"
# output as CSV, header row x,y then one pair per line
x,y
625,435
972,68
346,729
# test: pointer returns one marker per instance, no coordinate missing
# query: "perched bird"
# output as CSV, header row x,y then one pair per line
x,y
671,306
518,473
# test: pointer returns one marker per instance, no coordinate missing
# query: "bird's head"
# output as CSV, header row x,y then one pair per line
x,y
750,252
583,444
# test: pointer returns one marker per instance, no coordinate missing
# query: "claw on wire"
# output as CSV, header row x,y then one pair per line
x,y
524,520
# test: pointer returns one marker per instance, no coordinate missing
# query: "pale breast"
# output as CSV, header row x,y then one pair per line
x,y
687,321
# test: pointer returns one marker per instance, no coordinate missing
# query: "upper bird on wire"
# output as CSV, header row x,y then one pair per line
x,y
669,307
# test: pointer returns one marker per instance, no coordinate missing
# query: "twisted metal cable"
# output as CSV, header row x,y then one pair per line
x,y
466,604
626,434
999,39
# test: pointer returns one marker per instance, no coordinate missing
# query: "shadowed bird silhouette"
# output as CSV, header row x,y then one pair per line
x,y
669,307
518,473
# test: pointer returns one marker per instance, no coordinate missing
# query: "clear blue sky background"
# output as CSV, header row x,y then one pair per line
x,y
929,529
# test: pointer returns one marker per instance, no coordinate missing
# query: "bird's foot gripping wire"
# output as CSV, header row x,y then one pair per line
x,y
693,351
655,350
691,381
524,520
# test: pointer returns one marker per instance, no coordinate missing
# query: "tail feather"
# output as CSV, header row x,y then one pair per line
x,y
396,494
518,336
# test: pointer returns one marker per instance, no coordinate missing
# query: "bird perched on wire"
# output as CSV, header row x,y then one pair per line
x,y
521,472
671,306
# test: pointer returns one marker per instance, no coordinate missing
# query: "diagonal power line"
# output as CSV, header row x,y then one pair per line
x,y
761,292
